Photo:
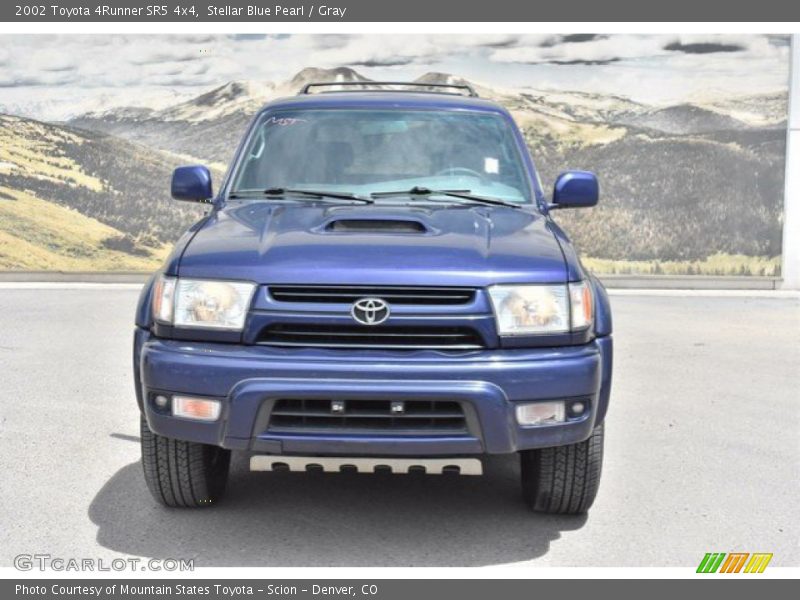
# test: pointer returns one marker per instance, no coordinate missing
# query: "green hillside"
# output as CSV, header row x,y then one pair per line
x,y
40,235
77,200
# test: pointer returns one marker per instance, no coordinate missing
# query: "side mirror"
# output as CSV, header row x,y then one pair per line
x,y
192,184
575,189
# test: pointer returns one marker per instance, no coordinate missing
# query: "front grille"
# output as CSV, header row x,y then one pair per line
x,y
410,417
378,337
393,295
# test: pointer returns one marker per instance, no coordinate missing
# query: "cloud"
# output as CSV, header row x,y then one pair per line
x,y
578,61
567,50
384,62
401,50
247,37
198,39
155,58
54,60
330,41
127,69
501,41
572,38
594,49
10,82
580,38
703,47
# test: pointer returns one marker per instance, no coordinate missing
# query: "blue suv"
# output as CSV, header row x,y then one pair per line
x,y
378,284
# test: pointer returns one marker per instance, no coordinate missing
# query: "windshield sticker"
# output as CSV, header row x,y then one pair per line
x,y
491,165
284,121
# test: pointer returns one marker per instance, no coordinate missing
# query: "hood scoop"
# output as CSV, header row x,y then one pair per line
x,y
380,225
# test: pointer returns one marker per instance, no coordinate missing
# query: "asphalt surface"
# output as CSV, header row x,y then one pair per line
x,y
702,455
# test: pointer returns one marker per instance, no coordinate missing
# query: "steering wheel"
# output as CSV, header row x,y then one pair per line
x,y
462,171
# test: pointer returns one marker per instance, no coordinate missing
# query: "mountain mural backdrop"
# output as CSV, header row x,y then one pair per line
x,y
691,188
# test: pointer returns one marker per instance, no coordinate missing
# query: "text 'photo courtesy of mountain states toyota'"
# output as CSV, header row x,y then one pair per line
x,y
379,284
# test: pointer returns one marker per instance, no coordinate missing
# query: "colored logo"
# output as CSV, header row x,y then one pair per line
x,y
734,562
370,311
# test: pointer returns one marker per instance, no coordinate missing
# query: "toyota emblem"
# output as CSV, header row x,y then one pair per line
x,y
370,311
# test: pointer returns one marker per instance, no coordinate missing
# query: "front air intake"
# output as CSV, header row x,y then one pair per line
x,y
375,226
378,416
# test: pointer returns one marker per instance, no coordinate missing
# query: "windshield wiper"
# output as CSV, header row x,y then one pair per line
x,y
316,194
462,194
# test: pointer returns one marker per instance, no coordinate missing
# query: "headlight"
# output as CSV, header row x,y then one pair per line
x,y
534,309
202,304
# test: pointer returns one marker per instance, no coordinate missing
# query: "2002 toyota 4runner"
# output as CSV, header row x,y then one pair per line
x,y
378,283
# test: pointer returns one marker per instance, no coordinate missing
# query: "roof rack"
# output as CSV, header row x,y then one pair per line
x,y
432,88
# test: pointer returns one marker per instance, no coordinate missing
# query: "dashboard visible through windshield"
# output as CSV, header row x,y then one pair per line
x,y
367,152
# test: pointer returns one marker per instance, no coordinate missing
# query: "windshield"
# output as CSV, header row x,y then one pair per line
x,y
369,151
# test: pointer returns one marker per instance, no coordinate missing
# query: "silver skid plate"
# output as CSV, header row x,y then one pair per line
x,y
431,466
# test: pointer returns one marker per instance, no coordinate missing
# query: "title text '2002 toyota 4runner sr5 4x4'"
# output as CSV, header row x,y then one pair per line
x,y
379,283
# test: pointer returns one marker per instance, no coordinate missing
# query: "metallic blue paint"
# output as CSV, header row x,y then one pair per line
x,y
192,183
269,242
602,308
576,189
274,242
491,382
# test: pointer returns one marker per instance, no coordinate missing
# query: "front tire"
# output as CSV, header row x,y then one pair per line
x,y
563,480
183,474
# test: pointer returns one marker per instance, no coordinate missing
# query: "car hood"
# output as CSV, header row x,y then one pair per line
x,y
351,244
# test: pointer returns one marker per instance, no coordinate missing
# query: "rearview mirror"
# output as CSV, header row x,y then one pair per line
x,y
192,183
575,189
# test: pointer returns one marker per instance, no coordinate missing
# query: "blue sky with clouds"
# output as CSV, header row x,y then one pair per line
x,y
55,76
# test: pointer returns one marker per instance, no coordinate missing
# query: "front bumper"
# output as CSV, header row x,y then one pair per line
x,y
488,384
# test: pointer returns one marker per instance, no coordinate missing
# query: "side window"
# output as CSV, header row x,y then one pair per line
x,y
260,143
249,173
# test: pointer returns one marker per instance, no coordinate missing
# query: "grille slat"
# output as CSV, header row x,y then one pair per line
x,y
364,415
381,333
422,296
368,416
380,337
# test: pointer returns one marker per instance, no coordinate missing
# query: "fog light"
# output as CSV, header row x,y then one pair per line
x,y
198,409
161,401
577,408
540,413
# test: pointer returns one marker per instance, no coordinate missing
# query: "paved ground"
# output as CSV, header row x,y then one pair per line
x,y
702,455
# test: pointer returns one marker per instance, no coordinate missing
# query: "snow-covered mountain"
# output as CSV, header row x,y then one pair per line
x,y
241,96
208,126
55,106
316,75
246,96
234,96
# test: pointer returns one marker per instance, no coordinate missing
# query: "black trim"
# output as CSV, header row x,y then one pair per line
x,y
347,294
470,91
